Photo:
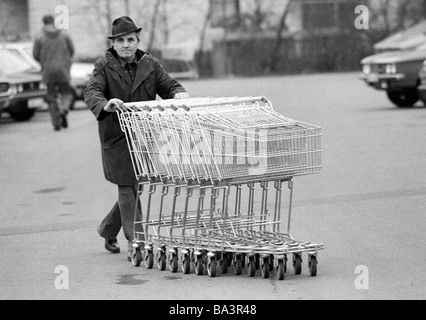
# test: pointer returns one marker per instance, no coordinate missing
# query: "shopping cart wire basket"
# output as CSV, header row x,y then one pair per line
x,y
206,167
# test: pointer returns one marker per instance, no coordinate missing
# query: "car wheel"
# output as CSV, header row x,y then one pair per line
x,y
404,99
21,112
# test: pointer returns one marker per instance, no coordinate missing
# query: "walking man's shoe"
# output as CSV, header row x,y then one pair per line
x,y
64,121
112,246
129,251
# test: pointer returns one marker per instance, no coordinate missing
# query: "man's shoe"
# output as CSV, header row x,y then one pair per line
x,y
112,246
64,121
129,251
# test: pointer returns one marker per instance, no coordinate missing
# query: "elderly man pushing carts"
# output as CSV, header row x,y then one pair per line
x,y
124,74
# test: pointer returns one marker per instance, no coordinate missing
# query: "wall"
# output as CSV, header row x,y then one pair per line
x,y
13,19
313,53
179,23
89,25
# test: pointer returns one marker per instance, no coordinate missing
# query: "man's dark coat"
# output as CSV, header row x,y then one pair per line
x,y
110,80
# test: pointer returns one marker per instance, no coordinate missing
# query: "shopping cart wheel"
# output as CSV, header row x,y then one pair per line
x,y
225,265
265,268
186,265
174,264
229,256
243,260
280,270
199,266
211,270
136,257
238,266
313,265
161,261
251,267
271,263
257,261
297,263
149,260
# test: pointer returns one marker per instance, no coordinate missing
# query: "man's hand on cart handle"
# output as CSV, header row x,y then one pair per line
x,y
112,105
181,95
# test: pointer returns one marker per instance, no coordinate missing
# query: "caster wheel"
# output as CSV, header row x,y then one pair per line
x,y
161,261
280,270
199,266
265,269
257,261
211,270
186,265
136,257
271,263
313,266
243,260
238,266
149,260
251,268
225,265
297,263
173,266
229,256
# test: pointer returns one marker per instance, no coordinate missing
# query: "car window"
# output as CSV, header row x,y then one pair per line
x,y
4,87
11,62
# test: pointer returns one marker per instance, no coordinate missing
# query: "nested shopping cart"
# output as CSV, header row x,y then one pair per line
x,y
213,171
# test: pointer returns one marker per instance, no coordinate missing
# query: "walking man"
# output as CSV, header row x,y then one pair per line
x,y
124,74
54,50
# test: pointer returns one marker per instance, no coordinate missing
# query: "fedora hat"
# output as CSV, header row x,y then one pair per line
x,y
122,26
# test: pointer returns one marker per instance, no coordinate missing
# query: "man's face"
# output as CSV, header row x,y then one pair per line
x,y
126,46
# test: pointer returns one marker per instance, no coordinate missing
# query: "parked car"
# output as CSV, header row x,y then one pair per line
x,y
80,72
397,73
80,76
4,93
25,89
408,39
421,89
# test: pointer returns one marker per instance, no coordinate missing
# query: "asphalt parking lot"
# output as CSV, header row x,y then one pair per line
x,y
366,205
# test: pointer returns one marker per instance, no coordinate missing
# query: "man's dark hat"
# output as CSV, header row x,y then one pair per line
x,y
122,26
48,19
